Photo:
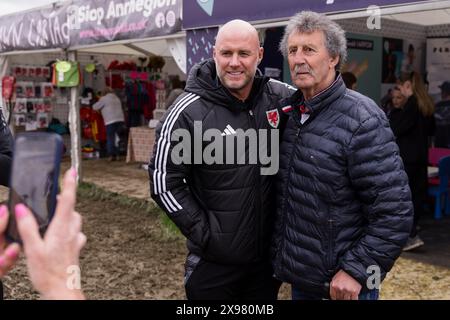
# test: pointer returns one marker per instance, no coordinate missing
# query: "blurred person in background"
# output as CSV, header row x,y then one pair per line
x,y
442,117
386,102
111,108
412,124
398,99
177,89
349,80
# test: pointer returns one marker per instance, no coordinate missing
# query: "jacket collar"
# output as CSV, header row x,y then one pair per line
x,y
322,99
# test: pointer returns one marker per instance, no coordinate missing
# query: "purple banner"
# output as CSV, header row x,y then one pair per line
x,y
200,45
96,21
207,13
84,22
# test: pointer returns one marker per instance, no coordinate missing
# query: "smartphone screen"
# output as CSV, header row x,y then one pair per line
x,y
34,178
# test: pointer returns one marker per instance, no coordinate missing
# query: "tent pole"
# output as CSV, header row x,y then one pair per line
x,y
74,125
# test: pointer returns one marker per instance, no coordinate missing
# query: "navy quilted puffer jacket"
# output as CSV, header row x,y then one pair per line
x,y
343,196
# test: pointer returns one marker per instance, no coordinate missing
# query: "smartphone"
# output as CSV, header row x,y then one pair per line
x,y
34,178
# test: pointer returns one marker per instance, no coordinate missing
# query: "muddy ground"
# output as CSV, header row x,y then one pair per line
x,y
131,254
127,256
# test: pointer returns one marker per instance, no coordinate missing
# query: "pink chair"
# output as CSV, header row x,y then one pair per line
x,y
436,154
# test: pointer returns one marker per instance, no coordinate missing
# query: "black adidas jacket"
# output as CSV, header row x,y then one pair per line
x,y
226,211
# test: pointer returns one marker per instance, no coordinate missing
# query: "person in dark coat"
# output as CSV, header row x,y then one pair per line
x,y
6,142
398,99
350,80
344,208
177,89
412,124
5,160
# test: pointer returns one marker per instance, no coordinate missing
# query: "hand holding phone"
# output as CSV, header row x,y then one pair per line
x,y
34,178
50,260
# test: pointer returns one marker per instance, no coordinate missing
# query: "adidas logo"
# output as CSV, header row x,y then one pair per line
x,y
228,131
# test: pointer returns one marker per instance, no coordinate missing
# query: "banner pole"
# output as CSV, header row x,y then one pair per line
x,y
74,125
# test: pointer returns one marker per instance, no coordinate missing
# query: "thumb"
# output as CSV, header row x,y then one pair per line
x,y
3,218
27,227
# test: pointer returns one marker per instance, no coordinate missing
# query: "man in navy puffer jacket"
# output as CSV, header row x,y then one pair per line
x,y
344,208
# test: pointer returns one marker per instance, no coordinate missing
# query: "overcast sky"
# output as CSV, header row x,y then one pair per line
x,y
10,6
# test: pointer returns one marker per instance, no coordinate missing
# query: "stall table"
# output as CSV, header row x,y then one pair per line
x,y
140,144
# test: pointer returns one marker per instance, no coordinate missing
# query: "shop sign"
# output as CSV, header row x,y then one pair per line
x,y
438,64
84,22
96,21
359,44
38,29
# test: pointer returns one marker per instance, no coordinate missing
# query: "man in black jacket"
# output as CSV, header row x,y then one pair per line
x,y
224,207
344,207
5,160
5,151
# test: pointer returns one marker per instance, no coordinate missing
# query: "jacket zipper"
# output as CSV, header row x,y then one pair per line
x,y
259,242
283,214
330,246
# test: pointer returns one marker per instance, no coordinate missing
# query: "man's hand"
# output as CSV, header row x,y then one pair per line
x,y
344,287
8,254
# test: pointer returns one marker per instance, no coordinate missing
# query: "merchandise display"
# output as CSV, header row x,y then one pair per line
x,y
29,94
66,74
39,95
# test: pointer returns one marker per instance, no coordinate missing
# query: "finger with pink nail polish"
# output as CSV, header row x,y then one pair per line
x,y
21,211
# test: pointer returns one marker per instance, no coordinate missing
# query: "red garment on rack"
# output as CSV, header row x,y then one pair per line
x,y
8,83
96,129
116,81
99,123
85,114
85,119
150,104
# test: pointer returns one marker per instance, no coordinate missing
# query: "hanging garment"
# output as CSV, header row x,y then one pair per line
x,y
134,103
150,100
92,123
115,81
8,83
141,100
98,127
